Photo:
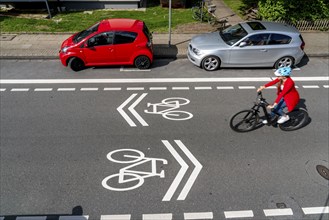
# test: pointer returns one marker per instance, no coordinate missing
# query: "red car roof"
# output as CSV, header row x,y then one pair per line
x,y
120,23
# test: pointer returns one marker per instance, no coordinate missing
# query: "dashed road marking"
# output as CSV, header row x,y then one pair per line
x,y
81,217
315,210
198,215
311,86
115,217
239,214
158,88
225,87
203,88
43,89
66,89
20,89
135,88
278,212
166,216
112,89
31,218
247,87
180,88
199,88
89,89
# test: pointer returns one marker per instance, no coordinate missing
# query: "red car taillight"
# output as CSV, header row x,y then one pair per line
x,y
302,46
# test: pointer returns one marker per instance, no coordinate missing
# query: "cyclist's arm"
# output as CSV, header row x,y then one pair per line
x,y
273,82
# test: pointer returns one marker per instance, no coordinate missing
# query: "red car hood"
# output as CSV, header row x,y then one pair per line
x,y
68,42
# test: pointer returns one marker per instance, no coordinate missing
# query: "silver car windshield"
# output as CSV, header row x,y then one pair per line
x,y
233,34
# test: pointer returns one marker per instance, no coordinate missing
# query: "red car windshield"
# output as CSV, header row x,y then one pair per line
x,y
85,33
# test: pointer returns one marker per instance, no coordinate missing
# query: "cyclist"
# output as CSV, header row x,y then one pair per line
x,y
287,95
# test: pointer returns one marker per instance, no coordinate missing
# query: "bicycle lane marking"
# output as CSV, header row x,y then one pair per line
x,y
179,175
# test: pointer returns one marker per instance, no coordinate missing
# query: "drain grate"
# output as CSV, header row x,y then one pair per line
x,y
6,37
323,171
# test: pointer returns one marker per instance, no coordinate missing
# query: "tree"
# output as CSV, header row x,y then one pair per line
x,y
293,9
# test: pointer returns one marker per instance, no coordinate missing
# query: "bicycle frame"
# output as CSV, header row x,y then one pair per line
x,y
261,103
142,174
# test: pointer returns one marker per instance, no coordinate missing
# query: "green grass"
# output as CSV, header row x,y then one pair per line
x,y
235,5
155,17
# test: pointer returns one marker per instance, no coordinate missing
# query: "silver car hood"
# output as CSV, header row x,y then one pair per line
x,y
208,41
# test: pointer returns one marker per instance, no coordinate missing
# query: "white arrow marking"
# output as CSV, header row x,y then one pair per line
x,y
132,110
179,175
194,174
124,115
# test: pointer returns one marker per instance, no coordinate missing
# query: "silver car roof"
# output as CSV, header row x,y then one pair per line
x,y
270,27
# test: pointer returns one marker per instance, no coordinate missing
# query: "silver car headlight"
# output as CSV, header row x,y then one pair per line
x,y
196,51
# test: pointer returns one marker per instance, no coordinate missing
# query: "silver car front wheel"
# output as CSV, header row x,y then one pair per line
x,y
284,62
211,63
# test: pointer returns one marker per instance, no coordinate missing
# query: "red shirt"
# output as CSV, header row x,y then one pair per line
x,y
289,93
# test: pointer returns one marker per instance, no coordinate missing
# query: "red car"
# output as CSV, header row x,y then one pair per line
x,y
109,42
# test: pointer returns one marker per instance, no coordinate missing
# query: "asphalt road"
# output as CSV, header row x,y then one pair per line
x,y
61,142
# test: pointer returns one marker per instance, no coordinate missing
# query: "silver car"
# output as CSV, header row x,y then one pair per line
x,y
248,44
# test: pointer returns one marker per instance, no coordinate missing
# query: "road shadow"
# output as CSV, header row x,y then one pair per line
x,y
77,213
304,61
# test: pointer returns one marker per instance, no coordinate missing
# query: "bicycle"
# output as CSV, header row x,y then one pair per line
x,y
247,120
171,113
126,174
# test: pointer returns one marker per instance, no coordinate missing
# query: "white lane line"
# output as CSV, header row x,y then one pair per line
x,y
180,88
164,216
77,217
180,173
66,89
31,217
115,217
311,86
296,87
326,86
132,110
239,214
225,87
203,88
194,174
2,89
20,89
135,88
271,87
124,115
247,87
43,89
112,89
315,210
89,89
158,88
154,80
198,215
278,212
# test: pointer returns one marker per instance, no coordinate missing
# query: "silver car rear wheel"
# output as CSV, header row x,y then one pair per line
x,y
284,62
211,63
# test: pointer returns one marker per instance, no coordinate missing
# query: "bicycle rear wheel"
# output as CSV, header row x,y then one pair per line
x,y
244,121
298,119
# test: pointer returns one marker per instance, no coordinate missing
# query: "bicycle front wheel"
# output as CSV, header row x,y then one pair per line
x,y
244,121
298,118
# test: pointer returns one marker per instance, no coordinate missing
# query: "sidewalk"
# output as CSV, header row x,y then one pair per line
x,y
46,46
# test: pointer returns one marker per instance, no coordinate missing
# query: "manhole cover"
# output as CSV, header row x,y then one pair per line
x,y
323,171
7,37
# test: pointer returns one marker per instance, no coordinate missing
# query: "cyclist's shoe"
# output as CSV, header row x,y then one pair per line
x,y
283,119
265,122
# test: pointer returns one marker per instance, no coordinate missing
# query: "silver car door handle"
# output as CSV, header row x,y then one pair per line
x,y
263,50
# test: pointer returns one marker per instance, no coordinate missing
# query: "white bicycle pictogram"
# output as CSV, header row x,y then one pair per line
x,y
170,105
129,156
